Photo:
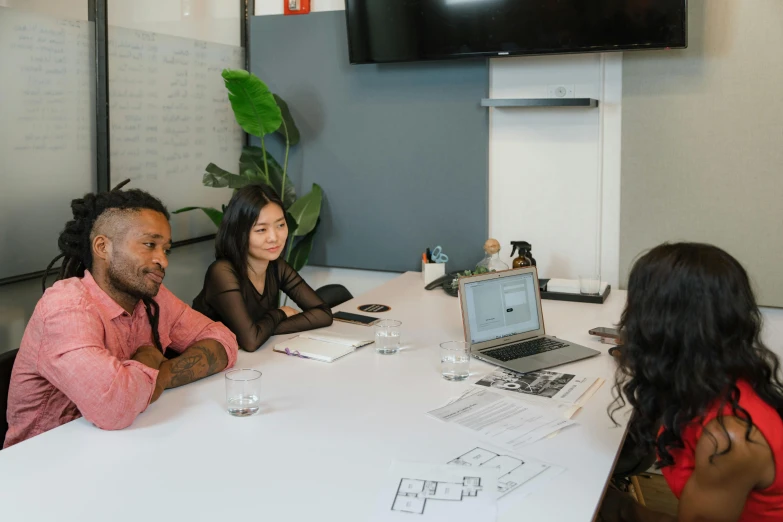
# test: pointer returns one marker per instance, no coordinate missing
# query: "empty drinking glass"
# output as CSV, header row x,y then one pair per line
x,y
455,360
589,284
243,389
387,336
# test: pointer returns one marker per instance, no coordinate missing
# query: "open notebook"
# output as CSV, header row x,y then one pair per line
x,y
321,347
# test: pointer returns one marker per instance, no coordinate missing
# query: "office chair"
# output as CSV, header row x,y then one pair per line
x,y
6,365
630,465
334,295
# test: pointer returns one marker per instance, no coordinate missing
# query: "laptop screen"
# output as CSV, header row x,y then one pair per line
x,y
501,307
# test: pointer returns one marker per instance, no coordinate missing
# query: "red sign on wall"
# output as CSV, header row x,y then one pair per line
x,y
295,7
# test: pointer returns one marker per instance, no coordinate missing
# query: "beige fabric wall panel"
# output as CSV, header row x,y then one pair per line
x,y
702,148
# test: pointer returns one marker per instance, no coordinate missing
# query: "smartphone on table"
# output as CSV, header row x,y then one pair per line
x,y
607,335
364,320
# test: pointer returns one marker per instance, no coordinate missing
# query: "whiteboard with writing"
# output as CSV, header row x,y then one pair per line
x,y
47,133
169,118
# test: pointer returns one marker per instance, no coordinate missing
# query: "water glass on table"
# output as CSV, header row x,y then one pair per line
x,y
455,360
387,336
243,391
589,284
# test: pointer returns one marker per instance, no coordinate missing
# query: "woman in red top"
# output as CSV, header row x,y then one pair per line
x,y
705,391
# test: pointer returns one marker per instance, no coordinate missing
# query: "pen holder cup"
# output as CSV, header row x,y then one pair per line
x,y
431,271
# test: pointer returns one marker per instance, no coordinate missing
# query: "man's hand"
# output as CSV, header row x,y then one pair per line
x,y
288,311
149,356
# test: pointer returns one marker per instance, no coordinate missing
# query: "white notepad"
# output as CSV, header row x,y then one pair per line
x,y
320,347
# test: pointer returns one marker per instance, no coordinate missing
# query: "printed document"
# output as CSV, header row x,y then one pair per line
x,y
500,420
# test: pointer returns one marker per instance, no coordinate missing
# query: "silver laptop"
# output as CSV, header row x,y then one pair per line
x,y
504,324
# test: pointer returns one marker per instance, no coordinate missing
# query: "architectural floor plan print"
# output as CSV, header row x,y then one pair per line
x,y
414,494
513,471
419,492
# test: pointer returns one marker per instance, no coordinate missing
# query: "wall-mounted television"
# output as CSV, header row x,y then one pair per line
x,y
382,31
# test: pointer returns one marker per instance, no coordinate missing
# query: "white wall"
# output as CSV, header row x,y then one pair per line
x,y
65,9
216,21
545,164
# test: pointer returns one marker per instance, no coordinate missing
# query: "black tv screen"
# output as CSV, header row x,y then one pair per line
x,y
381,31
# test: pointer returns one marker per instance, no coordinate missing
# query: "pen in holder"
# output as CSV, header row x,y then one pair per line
x,y
431,271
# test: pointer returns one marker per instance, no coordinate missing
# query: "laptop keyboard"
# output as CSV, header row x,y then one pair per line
x,y
524,349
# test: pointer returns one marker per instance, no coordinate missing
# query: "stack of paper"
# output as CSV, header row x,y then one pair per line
x,y
564,391
501,420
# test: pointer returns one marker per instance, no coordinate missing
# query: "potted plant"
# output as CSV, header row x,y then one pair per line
x,y
260,113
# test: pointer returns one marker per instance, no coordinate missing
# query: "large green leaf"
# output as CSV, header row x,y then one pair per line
x,y
289,126
254,176
218,178
212,213
254,105
301,251
306,211
291,222
253,158
289,194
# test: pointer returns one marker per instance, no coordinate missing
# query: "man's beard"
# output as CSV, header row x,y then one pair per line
x,y
125,278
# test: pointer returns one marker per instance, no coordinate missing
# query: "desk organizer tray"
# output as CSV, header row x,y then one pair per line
x,y
576,298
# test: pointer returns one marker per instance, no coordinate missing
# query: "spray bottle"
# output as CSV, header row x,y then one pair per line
x,y
525,257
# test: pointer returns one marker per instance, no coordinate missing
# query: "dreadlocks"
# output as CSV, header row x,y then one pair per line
x,y
75,240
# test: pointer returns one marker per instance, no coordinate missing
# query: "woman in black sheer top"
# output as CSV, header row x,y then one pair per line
x,y
241,287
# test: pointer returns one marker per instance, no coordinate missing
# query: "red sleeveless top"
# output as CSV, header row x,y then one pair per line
x,y
763,505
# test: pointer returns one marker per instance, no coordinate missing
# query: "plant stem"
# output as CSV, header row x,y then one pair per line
x,y
282,194
285,163
266,165
282,187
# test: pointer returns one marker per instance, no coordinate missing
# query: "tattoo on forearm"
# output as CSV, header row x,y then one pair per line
x,y
198,362
213,366
184,363
182,378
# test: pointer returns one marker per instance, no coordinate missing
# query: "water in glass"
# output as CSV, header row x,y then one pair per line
x,y
455,366
243,405
387,341
243,390
387,336
454,361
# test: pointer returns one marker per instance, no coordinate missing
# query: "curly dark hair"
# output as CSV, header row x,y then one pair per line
x,y
76,247
691,329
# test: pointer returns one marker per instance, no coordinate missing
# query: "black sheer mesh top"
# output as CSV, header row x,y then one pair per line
x,y
254,317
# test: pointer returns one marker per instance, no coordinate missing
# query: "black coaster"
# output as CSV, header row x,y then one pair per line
x,y
374,308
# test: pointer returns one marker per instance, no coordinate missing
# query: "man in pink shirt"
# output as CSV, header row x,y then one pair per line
x,y
94,345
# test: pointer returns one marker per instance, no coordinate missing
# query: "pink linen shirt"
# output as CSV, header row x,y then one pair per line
x,y
75,357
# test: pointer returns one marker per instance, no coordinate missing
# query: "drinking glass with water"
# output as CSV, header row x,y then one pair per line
x,y
243,389
455,360
387,336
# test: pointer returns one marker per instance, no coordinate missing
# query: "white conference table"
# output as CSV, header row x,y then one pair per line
x,y
321,446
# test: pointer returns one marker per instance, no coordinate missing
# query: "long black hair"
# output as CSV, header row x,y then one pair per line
x,y
233,238
691,329
76,247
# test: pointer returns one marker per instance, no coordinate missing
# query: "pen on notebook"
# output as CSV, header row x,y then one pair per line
x,y
296,353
